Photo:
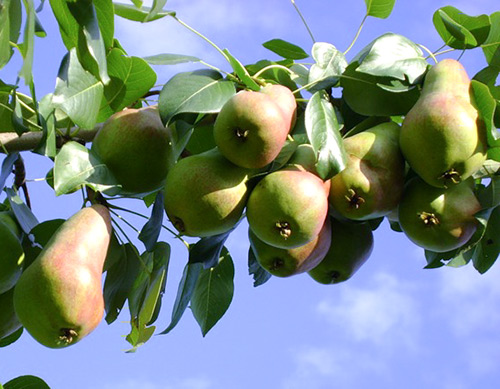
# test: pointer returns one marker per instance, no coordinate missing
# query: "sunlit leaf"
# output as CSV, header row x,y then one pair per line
x,y
169,59
285,49
241,72
486,105
491,47
379,8
329,66
135,14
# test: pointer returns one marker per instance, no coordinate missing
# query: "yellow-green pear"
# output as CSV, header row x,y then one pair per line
x,y
351,245
438,219
58,298
288,262
442,137
136,147
372,183
205,194
287,208
11,252
251,129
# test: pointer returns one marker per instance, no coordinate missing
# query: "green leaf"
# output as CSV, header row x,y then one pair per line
x,y
485,104
208,250
47,145
151,230
486,252
285,49
26,71
120,278
329,66
489,196
131,79
194,92
26,219
7,168
379,8
459,30
274,73
241,72
76,166
213,293
491,47
185,290
323,131
8,340
392,55
169,59
260,275
142,15
26,382
78,93
5,49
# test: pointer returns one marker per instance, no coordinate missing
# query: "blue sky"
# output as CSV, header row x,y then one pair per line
x,y
393,324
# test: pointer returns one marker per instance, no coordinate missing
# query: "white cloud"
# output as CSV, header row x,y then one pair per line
x,y
385,314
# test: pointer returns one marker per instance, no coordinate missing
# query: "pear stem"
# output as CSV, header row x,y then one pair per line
x,y
431,54
275,66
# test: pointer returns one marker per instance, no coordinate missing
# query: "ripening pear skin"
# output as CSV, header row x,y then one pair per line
x,y
372,183
136,147
285,100
11,252
438,219
58,298
287,208
205,194
9,323
442,138
351,246
250,130
304,158
289,262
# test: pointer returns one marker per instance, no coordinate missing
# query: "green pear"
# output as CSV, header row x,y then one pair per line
x,y
442,137
9,323
205,194
11,252
438,219
285,100
287,208
250,129
58,298
372,183
288,262
136,147
351,246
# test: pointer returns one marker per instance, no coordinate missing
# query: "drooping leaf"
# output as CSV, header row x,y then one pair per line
x,y
208,250
213,293
241,72
25,217
459,30
142,15
285,49
9,339
76,166
379,8
78,93
394,56
485,104
323,131
199,92
329,66
169,59
260,275
151,230
26,382
486,252
491,47
185,290
7,167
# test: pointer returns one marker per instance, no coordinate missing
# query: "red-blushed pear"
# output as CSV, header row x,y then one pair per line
x,y
205,194
285,99
250,129
58,298
442,137
372,183
351,245
136,147
438,219
9,323
287,208
288,262
11,252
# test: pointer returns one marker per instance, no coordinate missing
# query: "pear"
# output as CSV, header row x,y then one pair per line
x,y
372,183
251,129
58,298
351,246
9,323
285,99
442,138
136,147
205,194
287,208
288,262
11,252
438,219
